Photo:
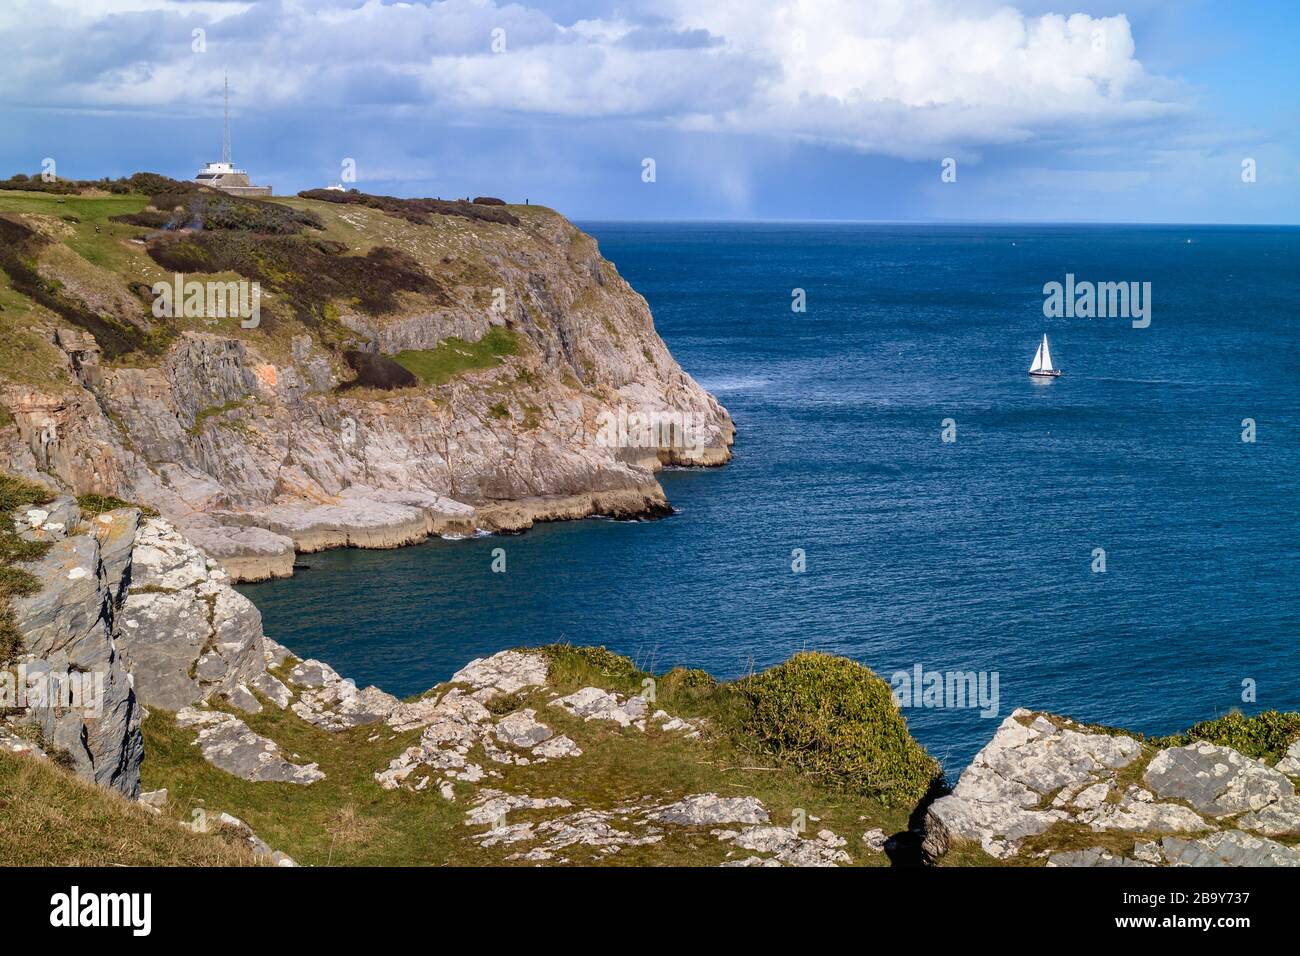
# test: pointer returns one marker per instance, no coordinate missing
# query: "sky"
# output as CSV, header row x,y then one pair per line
x,y
916,110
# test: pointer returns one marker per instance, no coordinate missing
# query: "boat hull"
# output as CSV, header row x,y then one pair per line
x,y
1052,374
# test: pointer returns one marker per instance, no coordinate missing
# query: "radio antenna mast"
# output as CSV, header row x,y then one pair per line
x,y
225,138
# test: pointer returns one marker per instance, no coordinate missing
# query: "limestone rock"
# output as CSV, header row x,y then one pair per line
x,y
67,629
785,846
1217,781
1093,856
259,846
334,702
593,703
701,809
1277,819
507,672
228,743
1290,763
185,633
1229,848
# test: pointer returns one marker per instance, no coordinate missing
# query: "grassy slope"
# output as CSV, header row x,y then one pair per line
x,y
109,258
454,355
348,819
49,817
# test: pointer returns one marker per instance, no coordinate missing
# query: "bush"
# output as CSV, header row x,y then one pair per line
x,y
1265,736
583,665
417,211
308,274
834,718
377,371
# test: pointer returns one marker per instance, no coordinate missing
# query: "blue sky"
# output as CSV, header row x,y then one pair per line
x,y
750,109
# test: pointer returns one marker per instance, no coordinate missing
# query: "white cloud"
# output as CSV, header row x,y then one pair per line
x,y
918,78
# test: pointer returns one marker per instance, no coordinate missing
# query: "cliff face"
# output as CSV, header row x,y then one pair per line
x,y
564,754
525,345
69,630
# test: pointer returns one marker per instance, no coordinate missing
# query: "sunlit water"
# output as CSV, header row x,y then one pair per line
x,y
975,555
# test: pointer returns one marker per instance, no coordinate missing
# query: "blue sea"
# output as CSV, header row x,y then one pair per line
x,y
977,554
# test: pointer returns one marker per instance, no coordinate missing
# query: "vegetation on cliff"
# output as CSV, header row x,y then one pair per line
x,y
51,818
14,551
834,718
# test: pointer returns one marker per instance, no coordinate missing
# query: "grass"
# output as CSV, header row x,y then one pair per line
x,y
347,819
212,411
454,356
1265,736
92,506
16,581
50,817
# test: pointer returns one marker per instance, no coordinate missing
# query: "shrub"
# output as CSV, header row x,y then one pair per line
x,y
19,246
1265,736
415,210
377,371
583,665
308,274
217,210
834,718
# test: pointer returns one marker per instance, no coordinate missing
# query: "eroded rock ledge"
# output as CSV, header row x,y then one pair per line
x,y
254,446
1047,788
135,599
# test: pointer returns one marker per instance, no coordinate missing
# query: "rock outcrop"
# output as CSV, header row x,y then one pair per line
x,y
1195,805
245,440
185,633
87,709
129,613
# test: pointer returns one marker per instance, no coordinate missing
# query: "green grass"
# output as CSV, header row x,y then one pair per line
x,y
1265,736
51,818
92,506
347,819
454,356
212,411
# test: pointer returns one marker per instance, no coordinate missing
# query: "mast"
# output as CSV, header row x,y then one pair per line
x,y
225,136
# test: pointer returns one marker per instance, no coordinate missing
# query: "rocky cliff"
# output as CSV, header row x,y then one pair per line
x,y
505,347
562,754
1047,789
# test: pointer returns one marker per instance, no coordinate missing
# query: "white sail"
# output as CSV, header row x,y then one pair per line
x,y
1046,355
1038,360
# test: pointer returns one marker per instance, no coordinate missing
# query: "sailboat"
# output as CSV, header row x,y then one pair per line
x,y
1043,361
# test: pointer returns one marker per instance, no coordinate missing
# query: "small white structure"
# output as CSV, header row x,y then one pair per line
x,y
224,175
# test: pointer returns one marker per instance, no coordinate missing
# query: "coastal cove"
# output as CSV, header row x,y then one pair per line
x,y
974,555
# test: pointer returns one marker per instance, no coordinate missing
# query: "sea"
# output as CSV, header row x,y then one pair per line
x,y
1120,544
